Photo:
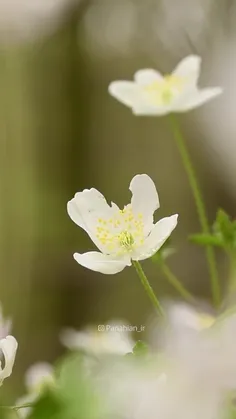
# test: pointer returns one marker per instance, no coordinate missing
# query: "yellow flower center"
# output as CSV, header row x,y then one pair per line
x,y
206,321
163,91
122,233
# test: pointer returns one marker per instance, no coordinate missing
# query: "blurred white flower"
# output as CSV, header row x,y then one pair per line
x,y
151,93
98,342
24,18
120,235
8,348
133,387
37,377
202,347
184,316
199,367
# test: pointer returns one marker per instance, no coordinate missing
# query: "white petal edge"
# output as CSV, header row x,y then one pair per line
x,y
160,233
146,109
126,92
9,347
87,201
99,262
37,375
147,76
199,98
189,69
145,198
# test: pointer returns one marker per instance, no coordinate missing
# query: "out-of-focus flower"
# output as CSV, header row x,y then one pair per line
x,y
37,377
24,19
185,316
120,235
133,387
202,346
151,93
8,348
97,342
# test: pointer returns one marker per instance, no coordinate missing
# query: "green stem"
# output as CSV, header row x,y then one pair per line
x,y
199,205
173,280
147,287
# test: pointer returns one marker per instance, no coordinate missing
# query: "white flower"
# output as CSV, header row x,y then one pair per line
x,y
151,93
37,378
207,353
120,235
8,348
93,341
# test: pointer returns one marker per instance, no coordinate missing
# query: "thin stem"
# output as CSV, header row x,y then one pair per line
x,y
147,287
199,205
23,406
173,280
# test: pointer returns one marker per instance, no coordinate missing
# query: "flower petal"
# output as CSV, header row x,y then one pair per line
x,y
106,264
147,76
160,233
126,92
145,199
86,203
189,69
86,207
198,98
145,109
9,347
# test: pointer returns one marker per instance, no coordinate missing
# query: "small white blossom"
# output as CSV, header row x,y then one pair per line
x,y
120,235
151,93
97,342
37,378
8,348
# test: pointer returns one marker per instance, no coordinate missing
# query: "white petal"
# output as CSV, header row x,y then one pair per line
x,y
9,347
85,208
160,233
145,109
147,76
37,375
106,264
189,69
126,92
198,98
86,203
145,199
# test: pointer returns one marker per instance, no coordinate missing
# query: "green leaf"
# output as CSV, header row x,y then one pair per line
x,y
140,348
206,239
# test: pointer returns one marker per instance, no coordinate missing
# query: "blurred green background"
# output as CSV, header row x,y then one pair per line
x,y
61,132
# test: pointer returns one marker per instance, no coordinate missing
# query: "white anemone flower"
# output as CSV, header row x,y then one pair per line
x,y
120,235
8,348
98,342
37,377
151,93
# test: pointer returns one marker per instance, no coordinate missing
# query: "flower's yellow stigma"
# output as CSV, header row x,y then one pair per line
x,y
126,240
206,321
163,91
122,233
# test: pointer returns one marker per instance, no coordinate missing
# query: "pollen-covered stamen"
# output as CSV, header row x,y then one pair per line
x,y
126,240
162,92
122,233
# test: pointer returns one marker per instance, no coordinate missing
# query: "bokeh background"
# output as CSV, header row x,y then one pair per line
x,y
61,132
